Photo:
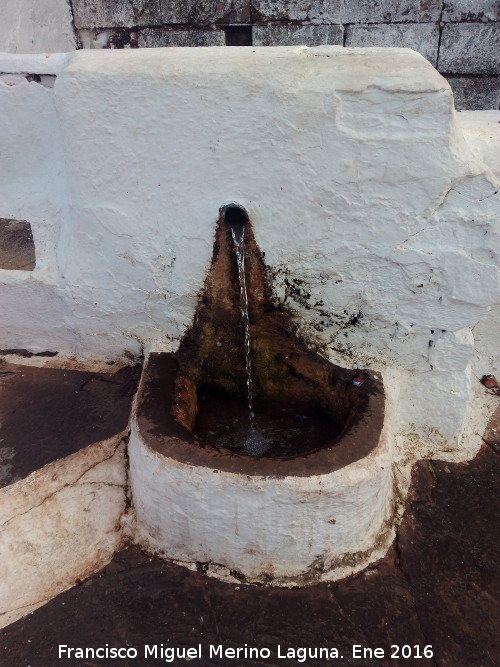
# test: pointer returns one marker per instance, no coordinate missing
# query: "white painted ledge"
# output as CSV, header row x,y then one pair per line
x,y
34,63
60,524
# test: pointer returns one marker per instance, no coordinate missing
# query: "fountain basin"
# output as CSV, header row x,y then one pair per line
x,y
289,522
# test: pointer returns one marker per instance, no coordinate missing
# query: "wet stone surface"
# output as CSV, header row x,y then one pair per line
x,y
49,413
438,586
280,429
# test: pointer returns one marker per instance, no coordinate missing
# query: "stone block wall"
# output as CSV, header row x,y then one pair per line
x,y
459,37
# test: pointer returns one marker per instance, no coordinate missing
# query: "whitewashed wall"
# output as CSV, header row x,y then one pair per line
x,y
36,26
355,173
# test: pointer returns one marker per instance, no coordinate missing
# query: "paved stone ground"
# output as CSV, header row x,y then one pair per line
x,y
49,413
438,586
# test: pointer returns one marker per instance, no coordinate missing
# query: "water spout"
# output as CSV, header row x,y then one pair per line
x,y
234,215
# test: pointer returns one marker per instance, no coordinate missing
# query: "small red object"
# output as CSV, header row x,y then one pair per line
x,y
489,381
357,382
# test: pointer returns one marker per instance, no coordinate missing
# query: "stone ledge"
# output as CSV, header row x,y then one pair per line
x,y
377,67
36,63
49,413
60,525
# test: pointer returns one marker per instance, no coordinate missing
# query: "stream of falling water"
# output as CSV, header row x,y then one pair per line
x,y
256,442
258,425
238,234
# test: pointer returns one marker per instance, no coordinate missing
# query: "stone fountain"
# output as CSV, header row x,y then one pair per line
x,y
370,261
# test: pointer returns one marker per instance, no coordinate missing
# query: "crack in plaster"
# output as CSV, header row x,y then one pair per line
x,y
38,603
69,484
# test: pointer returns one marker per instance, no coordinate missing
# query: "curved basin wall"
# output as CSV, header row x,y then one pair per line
x,y
281,529
297,521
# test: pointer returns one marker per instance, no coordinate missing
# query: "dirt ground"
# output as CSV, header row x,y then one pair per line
x,y
437,587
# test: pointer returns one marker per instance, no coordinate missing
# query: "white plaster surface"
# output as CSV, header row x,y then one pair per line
x,y
35,26
290,530
36,63
60,524
359,183
33,188
481,130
